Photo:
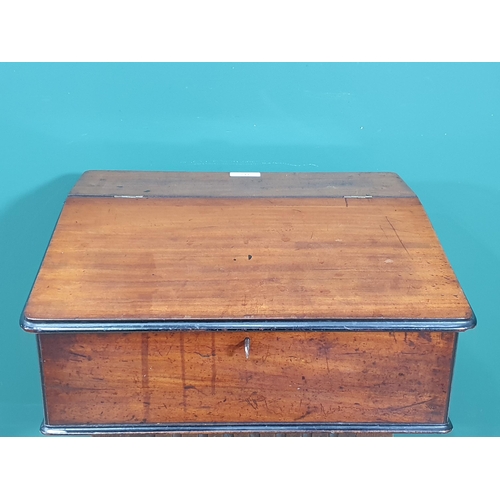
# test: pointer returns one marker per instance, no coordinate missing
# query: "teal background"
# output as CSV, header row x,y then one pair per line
x,y
436,125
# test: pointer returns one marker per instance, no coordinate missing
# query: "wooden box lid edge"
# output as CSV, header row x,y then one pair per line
x,y
174,184
457,320
348,325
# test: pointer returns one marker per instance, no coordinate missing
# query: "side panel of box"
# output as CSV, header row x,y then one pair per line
x,y
153,378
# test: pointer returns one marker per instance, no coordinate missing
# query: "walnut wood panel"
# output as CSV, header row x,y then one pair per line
x,y
205,377
220,184
119,258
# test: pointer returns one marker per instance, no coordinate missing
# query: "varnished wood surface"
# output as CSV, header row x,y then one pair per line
x,y
205,377
261,258
221,184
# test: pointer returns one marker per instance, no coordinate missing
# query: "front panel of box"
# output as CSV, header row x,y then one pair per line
x,y
219,377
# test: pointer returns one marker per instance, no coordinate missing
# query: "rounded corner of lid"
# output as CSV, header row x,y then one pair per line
x,y
394,175
471,321
27,324
48,430
84,174
466,323
89,171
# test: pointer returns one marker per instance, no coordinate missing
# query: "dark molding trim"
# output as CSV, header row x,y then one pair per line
x,y
337,325
179,428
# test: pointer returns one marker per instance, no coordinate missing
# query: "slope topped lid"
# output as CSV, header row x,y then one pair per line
x,y
291,251
240,184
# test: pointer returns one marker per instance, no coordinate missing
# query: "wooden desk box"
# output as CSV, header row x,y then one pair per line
x,y
209,303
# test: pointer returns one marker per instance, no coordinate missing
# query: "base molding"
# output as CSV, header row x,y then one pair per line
x,y
250,429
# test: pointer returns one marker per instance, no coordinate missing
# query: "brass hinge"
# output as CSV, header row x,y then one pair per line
x,y
362,196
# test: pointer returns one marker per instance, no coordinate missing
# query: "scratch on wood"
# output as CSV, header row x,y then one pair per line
x,y
193,387
410,406
214,373
397,235
68,389
264,358
308,412
254,399
202,355
183,372
80,355
146,398
426,336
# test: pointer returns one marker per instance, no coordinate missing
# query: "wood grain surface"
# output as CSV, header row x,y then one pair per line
x,y
250,258
205,377
222,185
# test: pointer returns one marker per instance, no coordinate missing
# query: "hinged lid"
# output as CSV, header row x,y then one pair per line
x,y
152,251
